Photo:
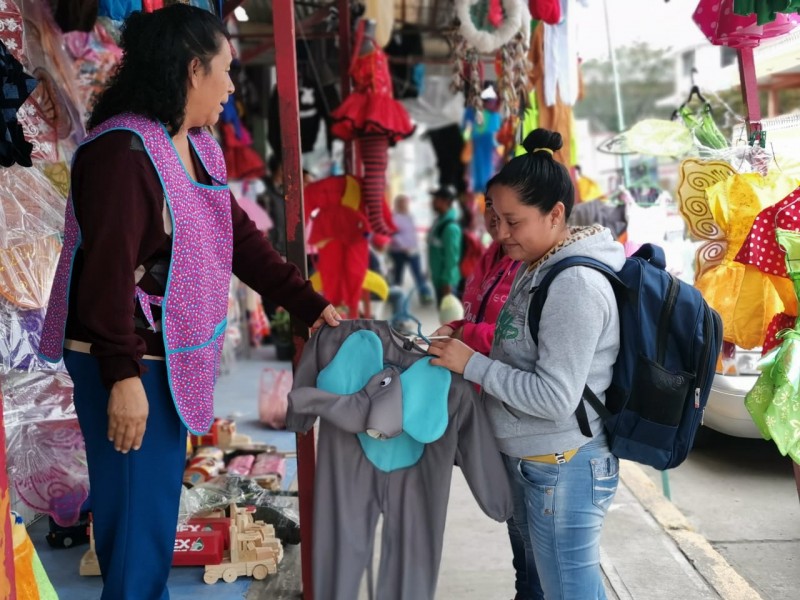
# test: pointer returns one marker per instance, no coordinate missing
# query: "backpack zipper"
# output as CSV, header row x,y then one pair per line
x,y
707,331
663,322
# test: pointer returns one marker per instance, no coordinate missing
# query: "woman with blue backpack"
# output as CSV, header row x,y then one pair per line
x,y
562,471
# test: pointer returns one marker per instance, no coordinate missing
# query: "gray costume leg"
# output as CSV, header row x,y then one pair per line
x,y
414,505
345,517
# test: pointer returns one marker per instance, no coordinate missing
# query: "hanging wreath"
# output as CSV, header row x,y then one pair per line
x,y
483,41
509,41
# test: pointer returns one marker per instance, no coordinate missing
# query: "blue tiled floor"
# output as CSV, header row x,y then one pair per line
x,y
236,397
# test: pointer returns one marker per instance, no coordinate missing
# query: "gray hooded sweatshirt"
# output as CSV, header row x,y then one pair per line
x,y
531,392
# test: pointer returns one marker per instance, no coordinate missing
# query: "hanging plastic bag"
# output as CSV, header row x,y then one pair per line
x,y
273,397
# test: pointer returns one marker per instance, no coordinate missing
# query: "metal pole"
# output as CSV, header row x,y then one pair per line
x,y
345,52
617,92
286,71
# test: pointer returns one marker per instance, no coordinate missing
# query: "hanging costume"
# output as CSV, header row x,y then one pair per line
x,y
391,429
720,23
774,401
340,235
745,298
762,251
720,206
375,119
484,145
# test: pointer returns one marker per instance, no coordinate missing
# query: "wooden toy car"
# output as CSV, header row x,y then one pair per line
x,y
254,549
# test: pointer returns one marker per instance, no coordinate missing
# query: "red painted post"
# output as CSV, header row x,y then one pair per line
x,y
286,68
749,85
8,590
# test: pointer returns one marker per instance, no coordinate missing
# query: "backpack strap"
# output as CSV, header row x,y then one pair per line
x,y
535,306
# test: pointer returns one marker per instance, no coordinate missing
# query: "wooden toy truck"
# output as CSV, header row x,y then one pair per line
x,y
254,550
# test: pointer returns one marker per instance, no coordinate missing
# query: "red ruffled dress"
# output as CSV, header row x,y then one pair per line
x,y
370,109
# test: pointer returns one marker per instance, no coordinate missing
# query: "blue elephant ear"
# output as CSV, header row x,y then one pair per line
x,y
425,391
358,359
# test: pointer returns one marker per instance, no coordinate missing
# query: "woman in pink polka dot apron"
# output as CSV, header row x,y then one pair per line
x,y
139,303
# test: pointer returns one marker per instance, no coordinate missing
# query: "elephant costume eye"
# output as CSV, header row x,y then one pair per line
x,y
386,381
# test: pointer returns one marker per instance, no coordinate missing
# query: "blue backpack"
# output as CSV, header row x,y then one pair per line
x,y
669,343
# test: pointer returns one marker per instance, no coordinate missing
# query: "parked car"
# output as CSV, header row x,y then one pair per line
x,y
725,411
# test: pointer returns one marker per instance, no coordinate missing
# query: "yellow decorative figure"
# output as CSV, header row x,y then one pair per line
x,y
745,298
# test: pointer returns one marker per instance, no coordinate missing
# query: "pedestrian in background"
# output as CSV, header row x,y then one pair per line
x,y
404,250
444,244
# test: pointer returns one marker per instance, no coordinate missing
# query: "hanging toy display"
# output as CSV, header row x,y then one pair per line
x,y
479,34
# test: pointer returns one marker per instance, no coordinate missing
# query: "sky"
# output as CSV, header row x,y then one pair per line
x,y
660,24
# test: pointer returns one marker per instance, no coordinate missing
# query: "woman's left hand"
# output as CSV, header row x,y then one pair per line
x,y
451,354
330,316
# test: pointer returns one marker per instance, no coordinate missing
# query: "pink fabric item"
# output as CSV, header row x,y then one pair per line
x,y
548,11
11,30
494,275
495,15
195,306
723,27
761,248
779,322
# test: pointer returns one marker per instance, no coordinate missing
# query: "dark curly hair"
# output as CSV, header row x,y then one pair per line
x,y
537,178
151,79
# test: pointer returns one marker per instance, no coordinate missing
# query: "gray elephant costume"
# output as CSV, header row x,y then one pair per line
x,y
391,428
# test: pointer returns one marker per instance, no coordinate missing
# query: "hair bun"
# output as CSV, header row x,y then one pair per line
x,y
543,139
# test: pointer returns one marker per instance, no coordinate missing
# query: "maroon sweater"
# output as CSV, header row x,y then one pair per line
x,y
119,205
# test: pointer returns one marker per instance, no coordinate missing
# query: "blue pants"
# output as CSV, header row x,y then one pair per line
x,y
558,515
400,260
135,496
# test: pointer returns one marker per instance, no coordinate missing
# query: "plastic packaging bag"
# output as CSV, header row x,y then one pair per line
x,y
218,493
273,397
46,452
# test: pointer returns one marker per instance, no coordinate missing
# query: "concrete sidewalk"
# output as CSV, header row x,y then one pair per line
x,y
649,549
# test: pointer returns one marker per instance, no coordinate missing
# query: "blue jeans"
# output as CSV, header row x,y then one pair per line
x,y
558,515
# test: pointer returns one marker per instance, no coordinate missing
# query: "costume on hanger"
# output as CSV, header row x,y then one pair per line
x,y
392,427
371,115
556,117
718,21
774,401
483,136
762,251
312,105
241,160
340,235
766,11
548,11
561,58
746,299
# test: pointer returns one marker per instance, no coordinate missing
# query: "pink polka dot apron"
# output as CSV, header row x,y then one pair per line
x,y
195,302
